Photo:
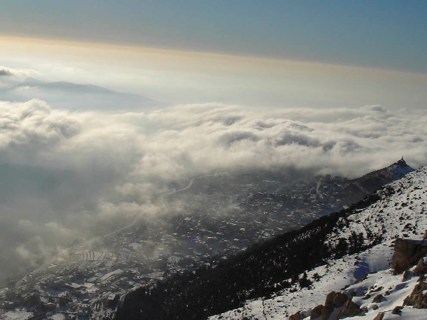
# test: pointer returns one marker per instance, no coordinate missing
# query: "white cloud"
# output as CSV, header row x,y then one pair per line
x,y
11,72
105,169
203,137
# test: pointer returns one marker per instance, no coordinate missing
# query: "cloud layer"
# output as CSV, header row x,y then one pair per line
x,y
202,137
70,175
23,85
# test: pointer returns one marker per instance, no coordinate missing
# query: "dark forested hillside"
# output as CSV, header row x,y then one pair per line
x,y
264,268
261,270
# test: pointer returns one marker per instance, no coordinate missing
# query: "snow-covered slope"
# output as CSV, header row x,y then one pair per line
x,y
101,274
400,212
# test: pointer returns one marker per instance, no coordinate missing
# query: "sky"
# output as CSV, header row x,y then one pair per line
x,y
280,53
381,34
104,104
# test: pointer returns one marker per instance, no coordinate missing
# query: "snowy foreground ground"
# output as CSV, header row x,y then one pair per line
x,y
403,214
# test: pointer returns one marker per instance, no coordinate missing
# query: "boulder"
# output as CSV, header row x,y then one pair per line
x,y
421,267
379,316
297,316
407,253
351,309
418,297
378,298
336,299
316,312
397,310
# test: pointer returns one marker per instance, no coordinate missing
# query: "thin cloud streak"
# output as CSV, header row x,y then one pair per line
x,y
190,77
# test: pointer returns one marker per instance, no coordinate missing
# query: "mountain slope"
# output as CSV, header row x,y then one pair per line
x,y
369,183
223,214
398,210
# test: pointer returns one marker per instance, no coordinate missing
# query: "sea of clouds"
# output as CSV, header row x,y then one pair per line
x,y
71,175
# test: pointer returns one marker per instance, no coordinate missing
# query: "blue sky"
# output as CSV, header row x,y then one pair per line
x,y
255,53
382,34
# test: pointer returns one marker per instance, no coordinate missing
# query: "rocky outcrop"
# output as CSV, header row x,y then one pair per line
x,y
380,316
418,297
351,309
407,253
298,316
338,305
421,267
335,299
378,298
317,312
